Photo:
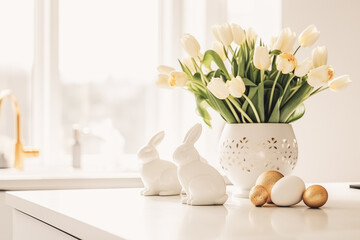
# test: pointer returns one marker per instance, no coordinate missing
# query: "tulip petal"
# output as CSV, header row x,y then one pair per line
x,y
261,58
236,87
218,88
164,69
309,36
339,83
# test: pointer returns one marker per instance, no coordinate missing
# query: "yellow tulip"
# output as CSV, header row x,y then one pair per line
x,y
285,42
303,68
218,88
320,75
261,58
286,63
309,36
238,34
191,45
236,87
339,83
177,79
319,56
219,49
251,35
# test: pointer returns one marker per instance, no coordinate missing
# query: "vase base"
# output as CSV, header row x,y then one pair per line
x,y
240,193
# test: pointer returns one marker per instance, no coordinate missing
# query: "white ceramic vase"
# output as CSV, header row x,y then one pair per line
x,y
247,150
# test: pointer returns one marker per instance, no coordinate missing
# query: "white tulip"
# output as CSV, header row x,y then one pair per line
x,y
188,61
238,34
303,68
225,34
215,31
340,82
236,87
191,45
285,41
219,49
272,42
320,75
218,88
319,56
251,35
177,79
163,81
309,36
286,63
164,69
262,59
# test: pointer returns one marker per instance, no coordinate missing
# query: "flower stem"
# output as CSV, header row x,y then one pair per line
x,y
318,91
253,108
232,110
273,89
286,86
237,106
297,49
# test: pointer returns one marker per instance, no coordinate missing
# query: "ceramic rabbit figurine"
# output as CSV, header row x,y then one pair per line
x,y
159,176
203,184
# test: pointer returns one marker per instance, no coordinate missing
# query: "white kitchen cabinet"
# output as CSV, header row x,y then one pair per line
x,y
29,228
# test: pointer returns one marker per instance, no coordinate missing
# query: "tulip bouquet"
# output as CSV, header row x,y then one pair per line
x,y
247,81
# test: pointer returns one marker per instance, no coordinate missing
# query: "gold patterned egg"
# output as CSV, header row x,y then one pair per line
x,y
267,180
258,195
315,196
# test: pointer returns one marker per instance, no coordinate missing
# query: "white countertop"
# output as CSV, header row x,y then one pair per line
x,y
125,214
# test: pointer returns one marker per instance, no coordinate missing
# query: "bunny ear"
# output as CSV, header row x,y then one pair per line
x,y
193,134
157,138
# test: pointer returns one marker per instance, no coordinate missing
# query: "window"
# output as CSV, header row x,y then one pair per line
x,y
93,63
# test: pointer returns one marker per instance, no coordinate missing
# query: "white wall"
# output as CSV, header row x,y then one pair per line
x,y
328,134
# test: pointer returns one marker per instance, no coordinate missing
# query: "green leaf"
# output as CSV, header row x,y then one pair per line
x,y
234,67
217,73
185,69
251,94
297,114
201,110
275,52
295,101
275,115
210,75
249,83
219,106
211,55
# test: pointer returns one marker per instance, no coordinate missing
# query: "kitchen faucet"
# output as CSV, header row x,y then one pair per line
x,y
20,151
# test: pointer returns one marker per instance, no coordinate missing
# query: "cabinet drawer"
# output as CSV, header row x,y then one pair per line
x,y
26,227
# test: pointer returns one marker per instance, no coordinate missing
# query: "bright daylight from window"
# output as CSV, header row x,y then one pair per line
x,y
106,58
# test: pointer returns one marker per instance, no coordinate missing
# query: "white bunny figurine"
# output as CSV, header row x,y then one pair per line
x,y
203,184
159,176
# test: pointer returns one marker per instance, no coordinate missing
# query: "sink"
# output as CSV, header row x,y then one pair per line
x,y
65,178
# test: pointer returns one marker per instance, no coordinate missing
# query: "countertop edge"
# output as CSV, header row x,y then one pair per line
x,y
58,220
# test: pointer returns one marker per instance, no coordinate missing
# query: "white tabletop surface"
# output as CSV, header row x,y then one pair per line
x,y
125,214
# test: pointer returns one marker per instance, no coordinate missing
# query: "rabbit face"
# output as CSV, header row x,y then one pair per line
x,y
186,152
149,152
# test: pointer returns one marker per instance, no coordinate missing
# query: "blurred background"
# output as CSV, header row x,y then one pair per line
x,y
93,63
